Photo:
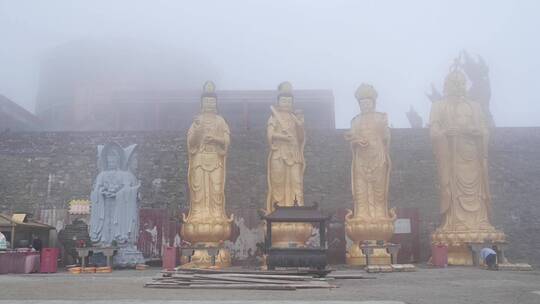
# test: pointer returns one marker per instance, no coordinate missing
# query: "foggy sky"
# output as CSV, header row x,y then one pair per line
x,y
400,47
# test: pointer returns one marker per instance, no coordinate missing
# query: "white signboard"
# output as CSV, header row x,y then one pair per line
x,y
402,225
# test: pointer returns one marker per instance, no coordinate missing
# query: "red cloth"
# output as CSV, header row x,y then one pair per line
x,y
170,258
49,257
19,262
439,255
5,262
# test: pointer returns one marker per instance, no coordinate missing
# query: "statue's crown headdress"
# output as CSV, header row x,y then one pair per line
x,y
366,91
209,89
285,89
455,83
108,150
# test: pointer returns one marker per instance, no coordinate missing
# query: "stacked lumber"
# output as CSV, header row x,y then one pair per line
x,y
390,268
220,279
103,269
346,275
88,270
403,267
515,267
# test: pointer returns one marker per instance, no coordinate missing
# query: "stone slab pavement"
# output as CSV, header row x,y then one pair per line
x,y
452,285
186,302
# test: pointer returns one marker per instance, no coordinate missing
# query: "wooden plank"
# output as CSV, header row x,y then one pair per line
x,y
194,282
349,276
269,276
240,286
234,279
328,286
224,286
183,276
244,279
166,283
272,272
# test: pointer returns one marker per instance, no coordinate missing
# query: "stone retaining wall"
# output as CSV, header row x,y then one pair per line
x,y
46,170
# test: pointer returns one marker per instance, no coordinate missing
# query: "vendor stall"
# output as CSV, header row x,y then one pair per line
x,y
19,229
19,232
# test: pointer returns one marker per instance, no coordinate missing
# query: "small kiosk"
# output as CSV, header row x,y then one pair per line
x,y
19,229
19,258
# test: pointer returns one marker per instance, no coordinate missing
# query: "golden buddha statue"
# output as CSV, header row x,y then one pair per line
x,y
286,138
370,220
459,134
207,224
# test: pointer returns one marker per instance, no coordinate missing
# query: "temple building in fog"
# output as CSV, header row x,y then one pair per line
x,y
100,85
173,110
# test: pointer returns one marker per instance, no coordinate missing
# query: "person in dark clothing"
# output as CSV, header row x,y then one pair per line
x,y
490,258
37,244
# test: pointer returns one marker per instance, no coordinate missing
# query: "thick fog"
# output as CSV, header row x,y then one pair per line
x,y
400,47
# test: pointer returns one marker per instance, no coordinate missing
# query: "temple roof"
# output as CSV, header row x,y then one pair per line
x,y
6,221
16,118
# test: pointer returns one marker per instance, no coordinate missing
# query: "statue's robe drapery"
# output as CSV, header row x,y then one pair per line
x,y
370,165
114,212
286,160
462,164
207,167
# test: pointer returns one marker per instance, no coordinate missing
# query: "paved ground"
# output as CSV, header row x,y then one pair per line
x,y
452,285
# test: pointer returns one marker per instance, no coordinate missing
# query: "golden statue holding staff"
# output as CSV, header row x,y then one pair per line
x,y
370,174
459,134
286,138
208,139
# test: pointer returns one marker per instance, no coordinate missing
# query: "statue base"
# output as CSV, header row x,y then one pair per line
x,y
366,229
459,253
207,236
287,235
128,257
356,257
201,259
361,228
